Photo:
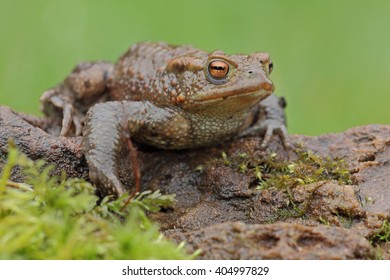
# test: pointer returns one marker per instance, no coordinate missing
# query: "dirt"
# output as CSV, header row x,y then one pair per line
x,y
220,209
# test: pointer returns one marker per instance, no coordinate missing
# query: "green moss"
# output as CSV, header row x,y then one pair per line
x,y
322,220
383,234
272,173
283,214
306,169
47,217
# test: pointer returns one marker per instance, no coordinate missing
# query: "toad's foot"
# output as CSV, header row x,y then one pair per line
x,y
69,101
270,119
70,120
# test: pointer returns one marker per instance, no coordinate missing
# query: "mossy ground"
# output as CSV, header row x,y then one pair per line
x,y
270,172
306,169
61,218
49,217
383,234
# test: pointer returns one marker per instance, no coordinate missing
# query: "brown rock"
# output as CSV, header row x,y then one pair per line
x,y
64,152
236,240
226,182
329,202
367,150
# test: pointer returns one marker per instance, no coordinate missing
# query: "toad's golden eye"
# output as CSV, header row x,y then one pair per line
x,y
218,69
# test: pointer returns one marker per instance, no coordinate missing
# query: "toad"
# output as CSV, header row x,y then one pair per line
x,y
168,97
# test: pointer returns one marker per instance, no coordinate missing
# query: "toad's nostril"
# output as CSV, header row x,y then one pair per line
x,y
250,72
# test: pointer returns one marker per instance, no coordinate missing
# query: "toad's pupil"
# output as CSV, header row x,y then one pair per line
x,y
218,69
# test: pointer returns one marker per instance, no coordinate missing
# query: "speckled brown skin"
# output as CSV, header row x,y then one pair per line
x,y
167,97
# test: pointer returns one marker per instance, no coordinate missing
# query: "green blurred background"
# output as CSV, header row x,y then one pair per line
x,y
331,58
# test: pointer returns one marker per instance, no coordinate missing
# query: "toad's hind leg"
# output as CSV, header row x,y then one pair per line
x,y
70,100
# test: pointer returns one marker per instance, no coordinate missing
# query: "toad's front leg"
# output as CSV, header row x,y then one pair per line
x,y
269,118
108,129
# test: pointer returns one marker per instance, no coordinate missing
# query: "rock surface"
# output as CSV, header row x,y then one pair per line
x,y
236,240
220,211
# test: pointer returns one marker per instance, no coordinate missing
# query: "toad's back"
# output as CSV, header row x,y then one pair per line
x,y
141,73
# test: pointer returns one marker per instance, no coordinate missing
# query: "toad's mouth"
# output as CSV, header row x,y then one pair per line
x,y
261,91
